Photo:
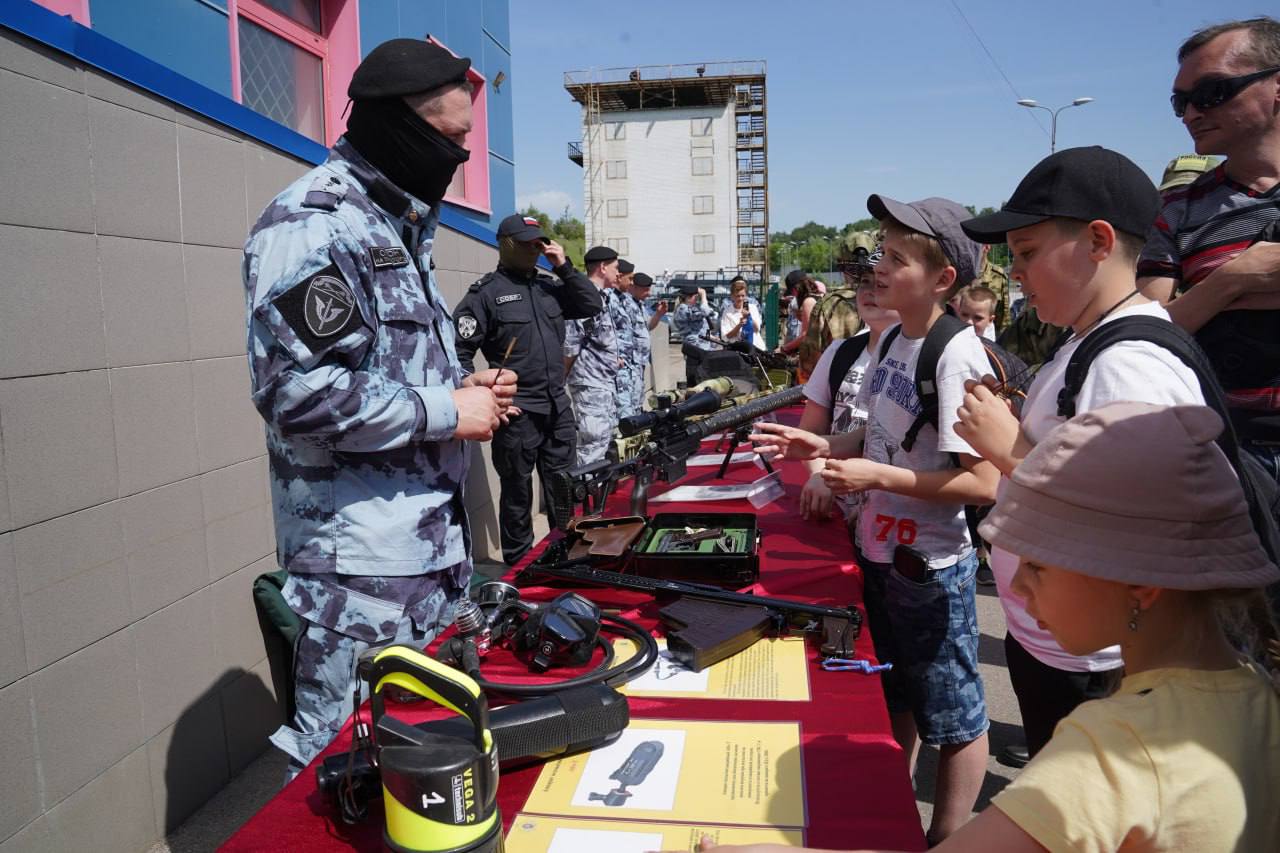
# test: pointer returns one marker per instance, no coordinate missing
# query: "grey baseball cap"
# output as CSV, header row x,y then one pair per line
x,y
939,218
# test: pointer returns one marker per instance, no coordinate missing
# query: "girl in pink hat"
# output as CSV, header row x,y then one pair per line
x,y
1132,530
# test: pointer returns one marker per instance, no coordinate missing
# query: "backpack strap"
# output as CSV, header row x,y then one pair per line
x,y
843,359
1164,334
939,335
1258,487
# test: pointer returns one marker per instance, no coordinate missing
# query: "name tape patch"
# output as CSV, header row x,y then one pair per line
x,y
510,297
388,257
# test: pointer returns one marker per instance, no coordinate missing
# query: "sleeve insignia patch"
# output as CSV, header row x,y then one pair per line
x,y
320,307
466,326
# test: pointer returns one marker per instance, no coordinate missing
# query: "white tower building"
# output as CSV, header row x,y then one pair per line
x,y
674,161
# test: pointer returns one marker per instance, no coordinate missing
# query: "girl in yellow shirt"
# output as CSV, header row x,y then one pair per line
x,y
1133,530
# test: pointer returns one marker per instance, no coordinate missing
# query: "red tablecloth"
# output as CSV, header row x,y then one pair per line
x,y
856,786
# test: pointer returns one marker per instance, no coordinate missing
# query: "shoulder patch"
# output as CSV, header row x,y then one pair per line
x,y
320,308
508,297
388,257
467,326
325,192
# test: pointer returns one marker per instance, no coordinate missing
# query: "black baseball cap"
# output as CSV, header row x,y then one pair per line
x,y
940,219
1076,183
405,67
522,228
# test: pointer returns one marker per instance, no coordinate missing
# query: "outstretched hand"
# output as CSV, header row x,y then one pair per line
x,y
778,441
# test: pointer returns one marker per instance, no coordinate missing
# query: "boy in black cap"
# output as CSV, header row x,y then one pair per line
x,y
520,307
1075,226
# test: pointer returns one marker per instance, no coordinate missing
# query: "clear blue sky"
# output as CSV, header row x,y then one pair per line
x,y
891,97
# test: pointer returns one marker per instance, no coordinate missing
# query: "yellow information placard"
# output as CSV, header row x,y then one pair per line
x,y
694,771
538,834
773,669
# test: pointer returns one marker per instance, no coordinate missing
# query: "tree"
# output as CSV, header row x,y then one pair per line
x,y
569,226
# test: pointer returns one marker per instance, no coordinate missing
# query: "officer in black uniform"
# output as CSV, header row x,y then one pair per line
x,y
517,301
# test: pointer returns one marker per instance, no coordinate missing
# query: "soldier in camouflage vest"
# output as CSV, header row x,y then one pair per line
x,y
592,360
351,353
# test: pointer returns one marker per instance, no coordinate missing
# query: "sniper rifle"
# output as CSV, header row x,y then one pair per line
x,y
672,438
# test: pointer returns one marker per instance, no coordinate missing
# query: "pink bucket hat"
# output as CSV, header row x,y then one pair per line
x,y
1134,493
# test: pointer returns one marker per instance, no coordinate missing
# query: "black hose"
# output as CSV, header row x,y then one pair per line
x,y
605,673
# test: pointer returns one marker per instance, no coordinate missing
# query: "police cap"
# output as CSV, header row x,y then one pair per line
x,y
403,67
625,266
522,228
643,280
597,254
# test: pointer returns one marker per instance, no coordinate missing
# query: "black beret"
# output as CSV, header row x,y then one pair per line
x,y
599,253
404,67
625,266
688,289
641,280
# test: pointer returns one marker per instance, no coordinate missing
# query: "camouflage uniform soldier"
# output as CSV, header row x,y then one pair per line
x,y
692,322
617,302
644,324
592,361
351,351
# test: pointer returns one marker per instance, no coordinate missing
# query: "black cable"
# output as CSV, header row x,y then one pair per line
x,y
604,673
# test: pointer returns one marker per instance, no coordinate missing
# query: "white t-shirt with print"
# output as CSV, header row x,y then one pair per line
x,y
1130,371
887,520
846,416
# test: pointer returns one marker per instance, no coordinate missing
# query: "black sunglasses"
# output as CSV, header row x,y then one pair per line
x,y
1214,93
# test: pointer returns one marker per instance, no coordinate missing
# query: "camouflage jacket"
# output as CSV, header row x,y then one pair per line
x,y
642,345
351,352
618,305
692,322
593,345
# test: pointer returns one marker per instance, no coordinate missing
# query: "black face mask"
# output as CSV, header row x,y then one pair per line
x,y
416,157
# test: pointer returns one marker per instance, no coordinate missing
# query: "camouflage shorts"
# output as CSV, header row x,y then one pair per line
x,y
935,638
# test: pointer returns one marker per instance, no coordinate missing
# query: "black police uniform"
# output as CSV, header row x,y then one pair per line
x,y
532,308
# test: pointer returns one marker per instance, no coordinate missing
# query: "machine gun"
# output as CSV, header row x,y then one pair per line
x,y
711,623
672,438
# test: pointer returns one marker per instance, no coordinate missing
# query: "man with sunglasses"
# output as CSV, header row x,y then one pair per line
x,y
1214,253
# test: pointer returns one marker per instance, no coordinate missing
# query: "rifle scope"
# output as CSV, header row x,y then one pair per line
x,y
703,403
747,412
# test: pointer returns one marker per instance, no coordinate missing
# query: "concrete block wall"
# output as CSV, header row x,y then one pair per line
x,y
134,504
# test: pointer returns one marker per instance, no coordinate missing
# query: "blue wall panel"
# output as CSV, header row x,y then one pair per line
x,y
466,37
500,136
379,22
420,18
502,189
497,21
186,36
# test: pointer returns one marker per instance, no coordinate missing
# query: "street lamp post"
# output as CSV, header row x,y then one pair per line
x,y
1029,103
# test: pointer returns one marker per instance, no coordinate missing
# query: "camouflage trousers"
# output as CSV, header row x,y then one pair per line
x,y
344,616
595,411
629,385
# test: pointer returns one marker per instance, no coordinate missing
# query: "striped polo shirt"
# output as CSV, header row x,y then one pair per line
x,y
1202,226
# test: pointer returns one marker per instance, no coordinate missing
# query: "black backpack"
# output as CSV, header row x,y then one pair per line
x,y
849,351
1260,489
1012,371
